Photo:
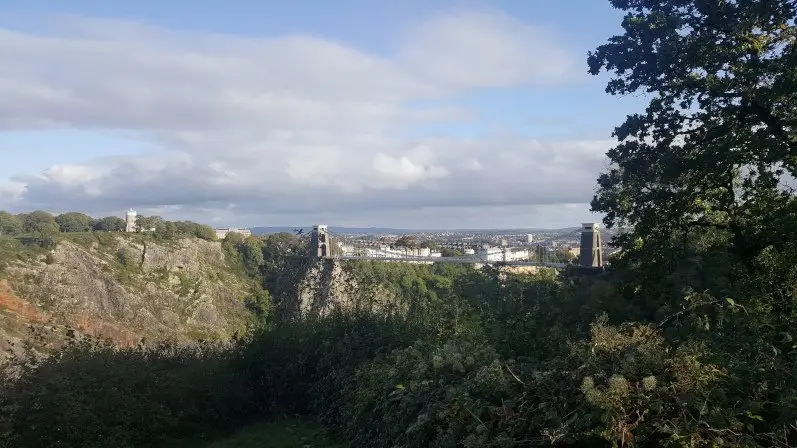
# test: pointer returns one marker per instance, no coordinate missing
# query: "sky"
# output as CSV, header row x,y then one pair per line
x,y
411,114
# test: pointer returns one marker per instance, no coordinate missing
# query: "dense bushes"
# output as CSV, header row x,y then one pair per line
x,y
94,395
301,367
406,380
461,357
387,380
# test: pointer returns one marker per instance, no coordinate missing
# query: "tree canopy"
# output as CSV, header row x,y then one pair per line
x,y
10,224
110,224
145,223
409,241
40,223
75,222
720,132
171,229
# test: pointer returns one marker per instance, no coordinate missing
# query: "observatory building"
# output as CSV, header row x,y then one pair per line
x,y
130,220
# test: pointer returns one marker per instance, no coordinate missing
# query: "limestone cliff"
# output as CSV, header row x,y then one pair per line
x,y
330,284
123,288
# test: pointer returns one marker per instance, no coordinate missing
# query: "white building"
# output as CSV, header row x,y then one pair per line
x,y
384,251
529,238
402,252
222,232
130,220
501,254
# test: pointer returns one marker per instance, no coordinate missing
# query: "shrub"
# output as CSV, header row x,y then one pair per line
x,y
94,395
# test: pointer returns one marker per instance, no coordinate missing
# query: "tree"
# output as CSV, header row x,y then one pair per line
x,y
145,223
75,222
409,241
720,131
281,244
448,252
10,224
204,232
40,223
251,251
110,224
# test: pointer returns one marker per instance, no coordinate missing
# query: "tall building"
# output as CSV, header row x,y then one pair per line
x,y
319,242
529,238
130,220
591,253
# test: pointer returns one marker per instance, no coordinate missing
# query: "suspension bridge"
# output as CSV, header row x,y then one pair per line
x,y
323,246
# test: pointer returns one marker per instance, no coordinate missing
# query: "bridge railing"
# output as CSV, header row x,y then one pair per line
x,y
458,260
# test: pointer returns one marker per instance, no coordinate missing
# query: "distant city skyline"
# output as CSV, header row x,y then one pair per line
x,y
462,114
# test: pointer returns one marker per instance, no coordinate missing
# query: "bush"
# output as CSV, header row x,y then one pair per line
x,y
474,359
298,367
94,395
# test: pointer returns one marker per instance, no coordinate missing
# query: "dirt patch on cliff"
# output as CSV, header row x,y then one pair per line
x,y
99,328
13,304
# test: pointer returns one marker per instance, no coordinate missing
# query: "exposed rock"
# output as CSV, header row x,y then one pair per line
x,y
125,289
328,285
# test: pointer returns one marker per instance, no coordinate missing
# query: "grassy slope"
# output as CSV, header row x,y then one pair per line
x,y
281,434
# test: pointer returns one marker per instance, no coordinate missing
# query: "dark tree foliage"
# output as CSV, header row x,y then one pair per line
x,y
75,222
110,224
409,241
10,225
175,229
449,252
40,223
146,223
720,131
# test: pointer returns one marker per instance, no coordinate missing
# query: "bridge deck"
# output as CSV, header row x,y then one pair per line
x,y
458,260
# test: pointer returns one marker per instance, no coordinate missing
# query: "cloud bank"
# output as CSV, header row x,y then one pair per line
x,y
290,126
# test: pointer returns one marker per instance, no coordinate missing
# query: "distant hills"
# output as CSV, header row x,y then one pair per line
x,y
386,230
333,229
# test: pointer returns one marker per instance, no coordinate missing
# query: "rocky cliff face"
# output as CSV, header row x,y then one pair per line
x,y
330,285
125,289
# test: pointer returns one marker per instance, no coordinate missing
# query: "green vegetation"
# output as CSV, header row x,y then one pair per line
x,y
18,249
688,341
30,238
10,224
75,222
43,225
280,434
109,224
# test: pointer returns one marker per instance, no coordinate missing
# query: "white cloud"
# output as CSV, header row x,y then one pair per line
x,y
286,125
486,49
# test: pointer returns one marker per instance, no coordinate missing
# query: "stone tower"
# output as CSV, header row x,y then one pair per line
x,y
320,245
130,220
591,246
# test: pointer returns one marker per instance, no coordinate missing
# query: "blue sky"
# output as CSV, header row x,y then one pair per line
x,y
405,114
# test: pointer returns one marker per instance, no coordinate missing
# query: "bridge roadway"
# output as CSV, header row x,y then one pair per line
x,y
459,260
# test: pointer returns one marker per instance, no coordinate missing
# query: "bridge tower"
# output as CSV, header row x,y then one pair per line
x,y
320,244
591,246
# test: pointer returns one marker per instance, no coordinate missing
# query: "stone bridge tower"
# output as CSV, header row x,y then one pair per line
x,y
591,255
320,244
